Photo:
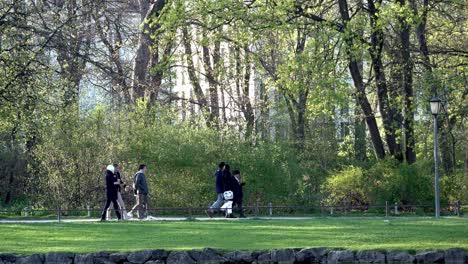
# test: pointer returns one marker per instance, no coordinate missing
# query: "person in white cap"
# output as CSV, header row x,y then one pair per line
x,y
111,193
120,187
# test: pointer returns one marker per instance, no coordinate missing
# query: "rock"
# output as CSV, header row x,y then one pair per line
x,y
8,258
430,257
207,256
155,262
94,258
369,256
283,256
241,257
340,256
398,257
59,258
159,254
140,257
264,258
118,258
311,255
33,259
103,261
455,256
102,258
84,259
180,258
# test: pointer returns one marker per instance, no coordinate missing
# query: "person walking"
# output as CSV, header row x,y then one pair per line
x,y
228,184
111,193
238,192
121,186
219,188
142,192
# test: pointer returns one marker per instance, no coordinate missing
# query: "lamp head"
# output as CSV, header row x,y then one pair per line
x,y
436,105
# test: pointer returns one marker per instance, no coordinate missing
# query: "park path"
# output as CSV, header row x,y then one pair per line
x,y
19,221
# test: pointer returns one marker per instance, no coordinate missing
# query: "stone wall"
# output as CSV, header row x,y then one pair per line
x,y
211,256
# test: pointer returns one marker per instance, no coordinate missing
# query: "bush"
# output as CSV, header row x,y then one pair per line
x,y
180,156
384,181
346,186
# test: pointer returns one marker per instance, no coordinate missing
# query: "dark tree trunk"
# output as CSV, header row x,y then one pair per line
x,y
223,103
446,143
142,58
386,110
11,178
158,66
360,88
261,125
156,77
140,79
408,117
359,135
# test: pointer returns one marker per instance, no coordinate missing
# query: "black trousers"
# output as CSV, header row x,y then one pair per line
x,y
239,207
116,208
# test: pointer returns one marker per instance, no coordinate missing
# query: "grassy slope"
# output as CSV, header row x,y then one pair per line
x,y
413,234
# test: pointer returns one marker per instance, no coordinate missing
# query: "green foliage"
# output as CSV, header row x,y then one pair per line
x,y
181,159
384,181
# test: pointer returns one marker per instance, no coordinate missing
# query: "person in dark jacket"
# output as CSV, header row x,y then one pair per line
x,y
228,182
120,188
142,193
111,193
219,188
238,193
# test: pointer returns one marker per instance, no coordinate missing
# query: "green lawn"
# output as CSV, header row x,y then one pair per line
x,y
412,234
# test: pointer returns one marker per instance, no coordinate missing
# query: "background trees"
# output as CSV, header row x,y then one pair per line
x,y
292,92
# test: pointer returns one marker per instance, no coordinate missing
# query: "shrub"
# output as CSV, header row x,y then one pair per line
x,y
384,181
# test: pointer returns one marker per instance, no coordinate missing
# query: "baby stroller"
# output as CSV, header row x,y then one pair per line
x,y
227,206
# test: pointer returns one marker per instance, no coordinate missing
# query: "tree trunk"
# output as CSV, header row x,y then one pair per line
x,y
359,135
446,143
212,82
360,88
261,125
386,110
11,177
408,117
199,94
248,110
140,64
140,79
158,66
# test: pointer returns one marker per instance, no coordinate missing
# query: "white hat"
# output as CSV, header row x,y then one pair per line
x,y
110,168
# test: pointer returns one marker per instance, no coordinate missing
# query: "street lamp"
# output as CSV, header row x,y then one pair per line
x,y
436,105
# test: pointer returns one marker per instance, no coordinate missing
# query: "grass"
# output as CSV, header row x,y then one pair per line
x,y
411,234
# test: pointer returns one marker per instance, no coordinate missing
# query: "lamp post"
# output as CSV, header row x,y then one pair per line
x,y
435,109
